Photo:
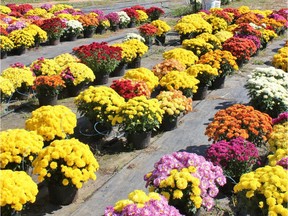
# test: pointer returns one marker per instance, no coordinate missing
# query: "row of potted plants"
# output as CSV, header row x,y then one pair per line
x,y
52,22
194,183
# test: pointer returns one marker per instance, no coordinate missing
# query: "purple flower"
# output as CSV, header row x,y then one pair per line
x,y
210,176
17,65
236,156
113,17
283,162
16,26
282,117
151,208
254,38
46,6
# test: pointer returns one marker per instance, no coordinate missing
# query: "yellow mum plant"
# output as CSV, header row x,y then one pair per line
x,y
162,27
277,156
263,191
38,34
6,87
143,74
182,81
197,45
138,47
222,60
76,73
4,9
59,7
279,137
142,16
63,59
66,162
223,35
99,104
17,189
21,78
184,56
217,23
21,38
193,23
127,53
174,103
18,148
43,66
205,73
38,12
166,66
139,114
267,35
5,43
211,39
280,60
52,122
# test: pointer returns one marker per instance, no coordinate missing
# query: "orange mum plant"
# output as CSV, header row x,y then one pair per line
x,y
48,85
240,120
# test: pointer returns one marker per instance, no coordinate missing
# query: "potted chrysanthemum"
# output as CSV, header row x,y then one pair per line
x,y
240,120
19,148
72,30
89,23
100,57
44,66
205,73
22,79
174,103
197,45
162,29
5,45
124,19
187,180
6,89
17,189
99,105
184,56
167,65
114,20
154,13
76,75
176,80
22,39
65,165
138,117
52,122
148,32
55,28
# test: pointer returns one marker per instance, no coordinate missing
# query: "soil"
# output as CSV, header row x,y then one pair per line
x,y
112,153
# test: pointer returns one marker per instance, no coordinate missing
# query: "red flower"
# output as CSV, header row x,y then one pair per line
x,y
147,30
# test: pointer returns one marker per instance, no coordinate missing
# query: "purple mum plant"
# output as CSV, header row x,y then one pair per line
x,y
236,157
281,118
210,176
254,38
113,17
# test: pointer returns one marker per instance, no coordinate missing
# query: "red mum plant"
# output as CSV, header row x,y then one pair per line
x,y
147,30
233,11
223,14
21,8
132,13
54,27
100,57
154,13
241,48
246,29
128,88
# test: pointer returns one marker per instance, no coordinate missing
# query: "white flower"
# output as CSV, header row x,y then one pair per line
x,y
74,26
124,18
133,36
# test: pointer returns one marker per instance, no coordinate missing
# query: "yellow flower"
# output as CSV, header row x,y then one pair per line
x,y
17,146
70,152
52,122
16,189
5,43
184,56
21,38
162,27
6,87
177,194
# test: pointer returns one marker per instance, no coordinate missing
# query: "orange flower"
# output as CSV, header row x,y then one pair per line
x,y
48,85
240,120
